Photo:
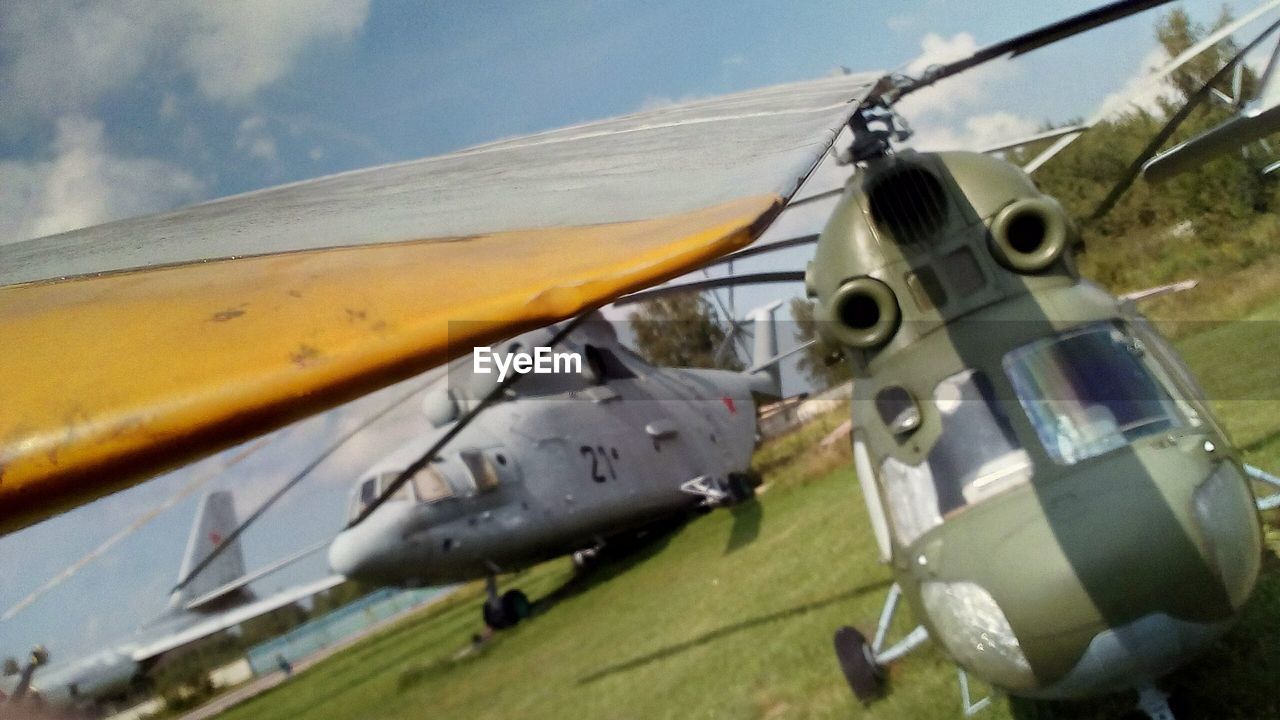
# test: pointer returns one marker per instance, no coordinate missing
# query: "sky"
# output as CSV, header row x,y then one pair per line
x,y
117,108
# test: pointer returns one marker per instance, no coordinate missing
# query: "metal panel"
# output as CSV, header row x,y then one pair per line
x,y
116,374
651,164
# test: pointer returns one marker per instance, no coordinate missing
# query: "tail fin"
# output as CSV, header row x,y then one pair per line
x,y
215,519
765,373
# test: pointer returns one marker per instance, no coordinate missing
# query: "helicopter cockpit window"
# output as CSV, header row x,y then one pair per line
x,y
364,496
384,482
480,470
431,485
975,457
1090,391
369,490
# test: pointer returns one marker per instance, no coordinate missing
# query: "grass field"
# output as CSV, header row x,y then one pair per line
x,y
732,615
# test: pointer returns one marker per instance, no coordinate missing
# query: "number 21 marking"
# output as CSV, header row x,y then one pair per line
x,y
597,468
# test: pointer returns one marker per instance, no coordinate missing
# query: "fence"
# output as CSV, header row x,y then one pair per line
x,y
334,627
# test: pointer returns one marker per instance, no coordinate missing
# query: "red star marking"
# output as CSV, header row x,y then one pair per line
x,y
215,538
728,402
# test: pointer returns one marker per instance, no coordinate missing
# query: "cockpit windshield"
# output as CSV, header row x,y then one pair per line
x,y
475,473
1090,391
975,456
369,490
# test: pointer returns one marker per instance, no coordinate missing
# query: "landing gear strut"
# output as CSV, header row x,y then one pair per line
x,y
506,610
735,489
863,663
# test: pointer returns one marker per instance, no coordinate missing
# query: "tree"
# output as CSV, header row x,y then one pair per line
x,y
815,360
681,331
1204,223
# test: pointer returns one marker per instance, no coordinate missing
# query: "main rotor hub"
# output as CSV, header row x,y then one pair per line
x,y
875,126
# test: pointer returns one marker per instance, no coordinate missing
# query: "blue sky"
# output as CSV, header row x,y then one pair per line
x,y
119,108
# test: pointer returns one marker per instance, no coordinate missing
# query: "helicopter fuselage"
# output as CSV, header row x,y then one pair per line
x,y
1059,506
544,476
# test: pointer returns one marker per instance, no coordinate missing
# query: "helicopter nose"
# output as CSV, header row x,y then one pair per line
x,y
1140,564
347,556
371,550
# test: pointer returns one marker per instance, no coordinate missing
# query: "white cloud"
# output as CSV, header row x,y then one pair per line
x,y
63,57
236,47
975,133
83,183
1139,94
734,60
253,139
955,114
960,92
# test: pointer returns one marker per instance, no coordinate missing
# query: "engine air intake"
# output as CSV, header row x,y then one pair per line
x,y
1028,235
865,312
908,203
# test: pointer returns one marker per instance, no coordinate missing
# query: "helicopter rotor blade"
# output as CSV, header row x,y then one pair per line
x,y
1033,40
1149,81
1175,121
722,350
766,248
1249,124
1237,86
1029,139
731,337
700,285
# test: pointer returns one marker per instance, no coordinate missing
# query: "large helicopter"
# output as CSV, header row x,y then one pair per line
x,y
568,462
947,279
1058,504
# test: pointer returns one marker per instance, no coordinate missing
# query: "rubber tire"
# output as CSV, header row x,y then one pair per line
x,y
865,677
516,606
496,616
740,489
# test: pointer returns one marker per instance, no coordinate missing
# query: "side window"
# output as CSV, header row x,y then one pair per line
x,y
975,456
1090,390
384,482
366,492
1172,371
480,469
431,485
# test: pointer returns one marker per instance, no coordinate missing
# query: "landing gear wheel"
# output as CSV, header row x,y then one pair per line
x,y
496,616
507,611
516,605
865,676
740,489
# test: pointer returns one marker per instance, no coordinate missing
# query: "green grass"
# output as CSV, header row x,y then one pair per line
x,y
1239,365
732,615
